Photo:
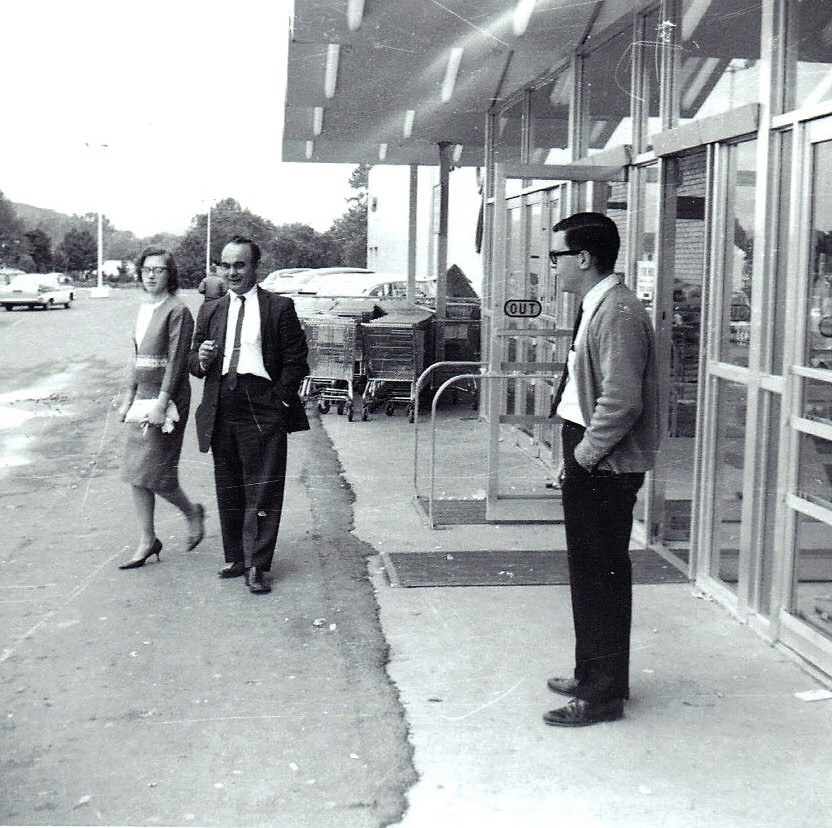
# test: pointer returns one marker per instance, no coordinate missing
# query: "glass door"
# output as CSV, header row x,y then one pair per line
x,y
808,620
528,345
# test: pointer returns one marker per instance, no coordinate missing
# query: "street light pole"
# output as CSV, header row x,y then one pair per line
x,y
208,244
100,290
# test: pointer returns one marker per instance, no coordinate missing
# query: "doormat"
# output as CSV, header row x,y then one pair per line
x,y
456,512
501,568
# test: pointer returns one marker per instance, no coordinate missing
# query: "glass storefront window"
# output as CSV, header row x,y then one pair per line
x,y
814,476
508,140
781,266
729,465
655,33
739,255
771,495
812,599
550,121
809,68
819,317
720,60
607,88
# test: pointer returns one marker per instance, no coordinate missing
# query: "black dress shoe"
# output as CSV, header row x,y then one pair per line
x,y
233,570
564,686
257,581
579,713
155,548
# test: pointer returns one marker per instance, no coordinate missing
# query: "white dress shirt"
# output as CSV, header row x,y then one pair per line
x,y
251,346
569,407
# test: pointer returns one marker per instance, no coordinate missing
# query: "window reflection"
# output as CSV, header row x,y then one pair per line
x,y
809,73
720,66
739,264
607,87
550,121
812,599
819,333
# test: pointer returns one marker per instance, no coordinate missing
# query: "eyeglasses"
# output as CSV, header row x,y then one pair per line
x,y
554,255
233,266
156,271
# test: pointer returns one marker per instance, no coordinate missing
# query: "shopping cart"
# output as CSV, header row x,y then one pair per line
x,y
335,362
394,358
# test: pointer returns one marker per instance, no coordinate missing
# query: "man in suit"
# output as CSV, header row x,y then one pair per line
x,y
251,349
608,402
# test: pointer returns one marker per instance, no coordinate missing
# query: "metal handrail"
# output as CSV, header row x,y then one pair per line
x,y
436,396
419,383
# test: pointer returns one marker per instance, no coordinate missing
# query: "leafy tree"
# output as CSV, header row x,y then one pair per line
x,y
39,248
11,233
298,245
78,251
348,235
293,245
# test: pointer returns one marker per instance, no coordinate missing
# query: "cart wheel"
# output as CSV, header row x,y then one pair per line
x,y
349,413
340,408
323,407
389,409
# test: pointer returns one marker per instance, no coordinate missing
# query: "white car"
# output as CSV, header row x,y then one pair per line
x,y
376,285
37,290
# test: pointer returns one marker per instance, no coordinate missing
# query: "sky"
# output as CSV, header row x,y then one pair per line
x,y
149,111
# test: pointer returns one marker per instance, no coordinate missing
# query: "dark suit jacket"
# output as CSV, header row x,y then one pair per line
x,y
284,355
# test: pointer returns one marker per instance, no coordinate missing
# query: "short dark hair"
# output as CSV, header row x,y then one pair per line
x,y
595,233
255,250
170,264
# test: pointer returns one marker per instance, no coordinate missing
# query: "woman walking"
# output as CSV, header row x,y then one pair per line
x,y
155,403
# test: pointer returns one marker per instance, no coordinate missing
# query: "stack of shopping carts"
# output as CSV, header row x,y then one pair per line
x,y
335,361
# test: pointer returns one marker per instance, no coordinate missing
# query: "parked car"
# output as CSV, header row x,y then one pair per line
x,y
376,285
37,290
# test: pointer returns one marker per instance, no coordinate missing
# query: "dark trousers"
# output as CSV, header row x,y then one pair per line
x,y
249,450
598,514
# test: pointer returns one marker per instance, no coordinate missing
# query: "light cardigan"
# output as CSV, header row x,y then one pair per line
x,y
616,376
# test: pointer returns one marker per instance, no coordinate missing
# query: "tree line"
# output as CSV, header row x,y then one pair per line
x,y
40,241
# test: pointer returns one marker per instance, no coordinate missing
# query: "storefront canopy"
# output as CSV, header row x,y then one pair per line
x,y
386,82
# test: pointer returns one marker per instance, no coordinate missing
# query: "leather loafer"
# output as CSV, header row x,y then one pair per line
x,y
257,581
564,686
580,713
233,570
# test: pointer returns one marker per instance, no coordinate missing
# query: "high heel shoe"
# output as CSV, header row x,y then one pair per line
x,y
155,549
195,539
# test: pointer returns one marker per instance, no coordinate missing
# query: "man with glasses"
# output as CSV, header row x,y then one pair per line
x,y
608,402
251,349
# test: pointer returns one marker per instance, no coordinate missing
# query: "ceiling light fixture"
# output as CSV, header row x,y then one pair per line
x,y
317,120
451,70
409,117
522,14
310,146
457,153
333,52
355,11
382,152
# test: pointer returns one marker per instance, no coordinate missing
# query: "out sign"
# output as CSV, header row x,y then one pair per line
x,y
522,308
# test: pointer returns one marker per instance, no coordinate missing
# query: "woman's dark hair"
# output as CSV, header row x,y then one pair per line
x,y
170,264
595,233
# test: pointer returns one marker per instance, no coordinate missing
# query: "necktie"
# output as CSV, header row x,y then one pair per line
x,y
565,374
231,378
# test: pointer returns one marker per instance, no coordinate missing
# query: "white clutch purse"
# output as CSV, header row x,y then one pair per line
x,y
139,409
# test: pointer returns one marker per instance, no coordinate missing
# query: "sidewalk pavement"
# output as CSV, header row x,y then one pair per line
x,y
713,734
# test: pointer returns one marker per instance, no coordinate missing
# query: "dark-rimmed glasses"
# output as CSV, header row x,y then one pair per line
x,y
156,271
554,255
